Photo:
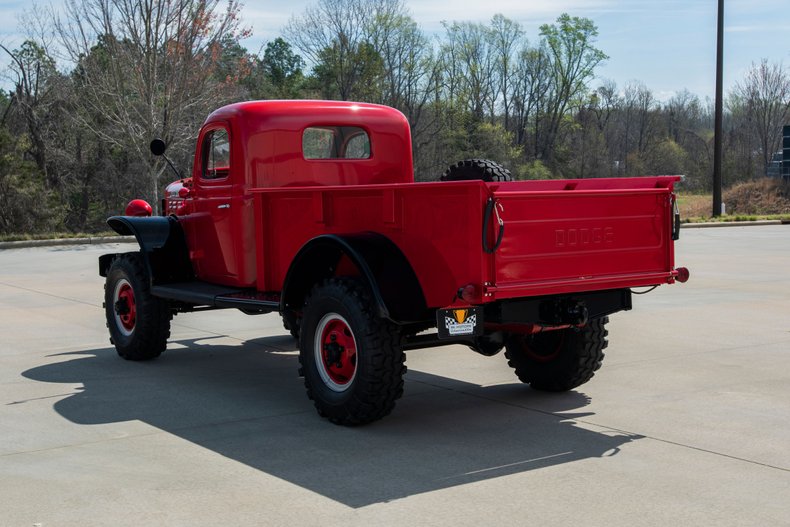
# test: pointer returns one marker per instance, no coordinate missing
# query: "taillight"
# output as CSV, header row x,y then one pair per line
x,y
468,293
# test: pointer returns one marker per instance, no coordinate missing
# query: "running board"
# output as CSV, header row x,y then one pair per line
x,y
198,293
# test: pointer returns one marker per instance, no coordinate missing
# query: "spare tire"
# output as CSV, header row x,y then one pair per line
x,y
483,169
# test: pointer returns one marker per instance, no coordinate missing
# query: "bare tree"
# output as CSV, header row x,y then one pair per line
x,y
505,35
469,65
764,99
410,70
639,106
338,37
531,89
144,69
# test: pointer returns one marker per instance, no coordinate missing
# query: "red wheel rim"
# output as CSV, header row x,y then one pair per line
x,y
125,307
336,352
544,353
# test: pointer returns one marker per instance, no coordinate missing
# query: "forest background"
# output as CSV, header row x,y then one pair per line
x,y
95,81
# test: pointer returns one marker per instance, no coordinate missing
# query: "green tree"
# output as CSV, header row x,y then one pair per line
x,y
283,69
35,83
26,204
574,57
350,73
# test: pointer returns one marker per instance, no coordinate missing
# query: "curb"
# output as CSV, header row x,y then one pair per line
x,y
733,224
67,241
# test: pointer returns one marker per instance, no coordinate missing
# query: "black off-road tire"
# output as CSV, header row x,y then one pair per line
x,y
558,361
291,324
349,392
143,336
473,169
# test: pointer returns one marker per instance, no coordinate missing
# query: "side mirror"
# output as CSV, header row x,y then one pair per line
x,y
158,147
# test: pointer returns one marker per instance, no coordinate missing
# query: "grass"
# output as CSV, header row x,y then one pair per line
x,y
735,217
698,206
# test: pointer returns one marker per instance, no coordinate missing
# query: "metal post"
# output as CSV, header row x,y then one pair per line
x,y
717,137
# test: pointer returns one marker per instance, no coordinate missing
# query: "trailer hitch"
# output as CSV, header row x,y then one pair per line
x,y
569,312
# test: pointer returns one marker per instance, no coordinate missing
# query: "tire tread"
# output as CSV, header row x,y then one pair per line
x,y
375,395
152,330
473,169
579,361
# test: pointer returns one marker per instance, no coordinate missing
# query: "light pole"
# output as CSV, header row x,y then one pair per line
x,y
717,134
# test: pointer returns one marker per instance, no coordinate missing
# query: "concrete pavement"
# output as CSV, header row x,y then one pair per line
x,y
687,423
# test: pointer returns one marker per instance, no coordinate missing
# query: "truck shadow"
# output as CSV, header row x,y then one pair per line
x,y
245,402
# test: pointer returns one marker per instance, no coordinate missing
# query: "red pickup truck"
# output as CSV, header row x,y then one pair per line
x,y
310,209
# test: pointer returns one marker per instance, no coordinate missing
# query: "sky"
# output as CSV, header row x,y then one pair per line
x,y
669,45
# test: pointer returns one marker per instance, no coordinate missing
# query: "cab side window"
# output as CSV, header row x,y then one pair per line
x,y
216,154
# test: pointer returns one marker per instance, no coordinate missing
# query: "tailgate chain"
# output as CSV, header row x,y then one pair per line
x,y
493,206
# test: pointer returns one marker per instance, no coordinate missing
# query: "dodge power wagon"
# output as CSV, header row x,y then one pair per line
x,y
310,209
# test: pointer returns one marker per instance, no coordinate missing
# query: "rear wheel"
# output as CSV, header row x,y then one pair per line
x,y
483,169
351,359
139,322
560,360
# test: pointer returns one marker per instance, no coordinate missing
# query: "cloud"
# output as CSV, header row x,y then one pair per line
x,y
431,12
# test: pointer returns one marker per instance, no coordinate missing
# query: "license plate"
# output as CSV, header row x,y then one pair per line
x,y
459,322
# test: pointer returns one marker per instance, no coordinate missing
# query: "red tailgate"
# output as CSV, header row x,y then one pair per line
x,y
583,235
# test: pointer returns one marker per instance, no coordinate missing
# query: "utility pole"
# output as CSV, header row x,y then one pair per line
x,y
717,137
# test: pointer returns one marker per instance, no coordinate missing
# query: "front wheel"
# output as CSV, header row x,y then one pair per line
x,y
352,360
139,322
560,360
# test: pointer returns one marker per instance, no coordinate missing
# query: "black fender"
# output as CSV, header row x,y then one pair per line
x,y
382,266
162,243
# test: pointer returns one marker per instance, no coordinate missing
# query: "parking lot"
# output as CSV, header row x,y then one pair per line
x,y
687,423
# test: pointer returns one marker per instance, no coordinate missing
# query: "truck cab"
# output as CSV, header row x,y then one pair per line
x,y
271,144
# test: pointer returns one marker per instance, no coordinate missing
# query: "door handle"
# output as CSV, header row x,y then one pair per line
x,y
224,206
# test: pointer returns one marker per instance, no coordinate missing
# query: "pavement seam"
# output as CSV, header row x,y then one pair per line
x,y
694,353
606,427
692,447
29,290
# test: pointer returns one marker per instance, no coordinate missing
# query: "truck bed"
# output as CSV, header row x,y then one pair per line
x,y
559,236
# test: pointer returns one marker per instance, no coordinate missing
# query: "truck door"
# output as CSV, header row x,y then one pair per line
x,y
211,236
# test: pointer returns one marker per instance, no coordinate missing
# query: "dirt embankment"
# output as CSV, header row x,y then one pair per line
x,y
763,196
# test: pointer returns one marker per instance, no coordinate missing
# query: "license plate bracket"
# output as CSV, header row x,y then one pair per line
x,y
453,322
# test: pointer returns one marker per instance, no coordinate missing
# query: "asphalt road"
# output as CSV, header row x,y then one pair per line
x,y
687,423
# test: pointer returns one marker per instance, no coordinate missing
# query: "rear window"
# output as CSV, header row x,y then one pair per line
x,y
335,142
